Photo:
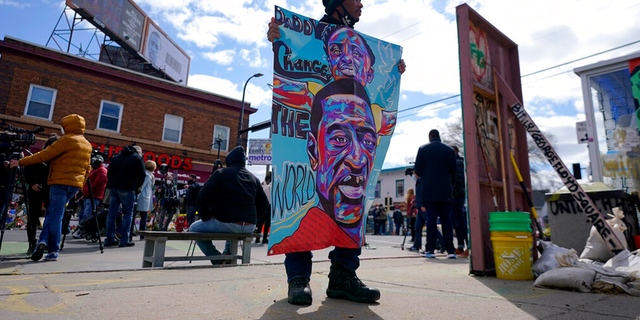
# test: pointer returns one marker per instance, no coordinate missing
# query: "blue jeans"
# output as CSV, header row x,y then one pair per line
x,y
191,215
59,195
86,207
421,219
434,211
125,198
213,225
459,219
298,264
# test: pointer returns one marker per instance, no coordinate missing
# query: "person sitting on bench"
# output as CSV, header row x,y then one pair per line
x,y
229,202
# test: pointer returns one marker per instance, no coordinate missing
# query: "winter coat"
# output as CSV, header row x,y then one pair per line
x,y
70,155
145,200
192,194
412,210
232,194
98,178
126,170
436,167
458,181
380,214
398,217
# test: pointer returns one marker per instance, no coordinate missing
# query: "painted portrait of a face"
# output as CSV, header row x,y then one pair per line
x,y
342,150
349,56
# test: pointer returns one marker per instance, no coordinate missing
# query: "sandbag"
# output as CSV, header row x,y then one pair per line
x,y
567,278
547,259
595,248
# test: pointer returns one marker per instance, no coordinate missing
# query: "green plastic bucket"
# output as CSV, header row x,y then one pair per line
x,y
509,221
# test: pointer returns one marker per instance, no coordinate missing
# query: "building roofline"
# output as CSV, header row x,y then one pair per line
x,y
605,63
396,169
94,66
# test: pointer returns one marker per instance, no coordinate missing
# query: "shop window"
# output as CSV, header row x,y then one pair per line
x,y
172,128
40,102
399,188
377,195
110,116
221,132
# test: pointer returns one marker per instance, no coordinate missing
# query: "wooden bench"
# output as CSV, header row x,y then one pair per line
x,y
155,244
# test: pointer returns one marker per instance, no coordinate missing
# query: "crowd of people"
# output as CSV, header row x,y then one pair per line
x,y
67,173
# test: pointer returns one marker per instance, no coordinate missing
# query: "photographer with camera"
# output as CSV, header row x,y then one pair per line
x,y
168,198
126,174
70,157
38,194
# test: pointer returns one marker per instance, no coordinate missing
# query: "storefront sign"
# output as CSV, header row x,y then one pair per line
x,y
174,162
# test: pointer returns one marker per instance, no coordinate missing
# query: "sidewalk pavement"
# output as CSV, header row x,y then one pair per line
x,y
86,284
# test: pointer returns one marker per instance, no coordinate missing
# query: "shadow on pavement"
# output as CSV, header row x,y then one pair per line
x,y
329,309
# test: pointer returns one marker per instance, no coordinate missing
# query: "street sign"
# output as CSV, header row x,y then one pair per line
x,y
259,151
581,131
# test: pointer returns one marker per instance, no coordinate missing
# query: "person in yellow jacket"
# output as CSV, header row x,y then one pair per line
x,y
69,167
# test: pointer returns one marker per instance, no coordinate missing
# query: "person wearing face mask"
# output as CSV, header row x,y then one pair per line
x,y
168,195
126,174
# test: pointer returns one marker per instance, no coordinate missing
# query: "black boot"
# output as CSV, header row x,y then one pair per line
x,y
32,247
258,239
299,291
344,284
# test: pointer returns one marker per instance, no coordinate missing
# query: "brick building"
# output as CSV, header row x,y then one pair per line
x,y
173,124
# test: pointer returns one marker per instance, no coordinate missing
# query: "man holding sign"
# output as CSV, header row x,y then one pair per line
x,y
343,135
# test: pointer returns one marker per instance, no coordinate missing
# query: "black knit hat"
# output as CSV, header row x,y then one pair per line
x,y
331,5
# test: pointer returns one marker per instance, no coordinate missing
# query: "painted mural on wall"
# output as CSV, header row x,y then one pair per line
x,y
480,60
486,121
335,97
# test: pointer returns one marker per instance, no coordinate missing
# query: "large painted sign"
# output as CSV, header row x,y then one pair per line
x,y
166,54
492,132
334,110
121,17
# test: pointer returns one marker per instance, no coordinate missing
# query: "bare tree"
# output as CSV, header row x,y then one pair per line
x,y
452,134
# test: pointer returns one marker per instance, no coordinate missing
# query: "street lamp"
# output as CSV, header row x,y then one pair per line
x,y
239,140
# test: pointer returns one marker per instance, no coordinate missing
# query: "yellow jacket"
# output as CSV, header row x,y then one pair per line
x,y
70,155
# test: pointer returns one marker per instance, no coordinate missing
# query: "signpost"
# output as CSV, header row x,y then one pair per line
x,y
581,132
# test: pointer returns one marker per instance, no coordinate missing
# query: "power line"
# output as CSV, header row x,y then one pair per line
x,y
583,58
436,108
428,103
401,30
536,72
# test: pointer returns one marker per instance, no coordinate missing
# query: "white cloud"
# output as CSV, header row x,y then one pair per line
x,y
14,4
256,94
253,58
224,57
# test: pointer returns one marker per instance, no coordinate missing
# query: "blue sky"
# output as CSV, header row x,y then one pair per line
x,y
227,44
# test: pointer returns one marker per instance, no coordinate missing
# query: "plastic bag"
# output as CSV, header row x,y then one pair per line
x,y
595,248
547,260
567,278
